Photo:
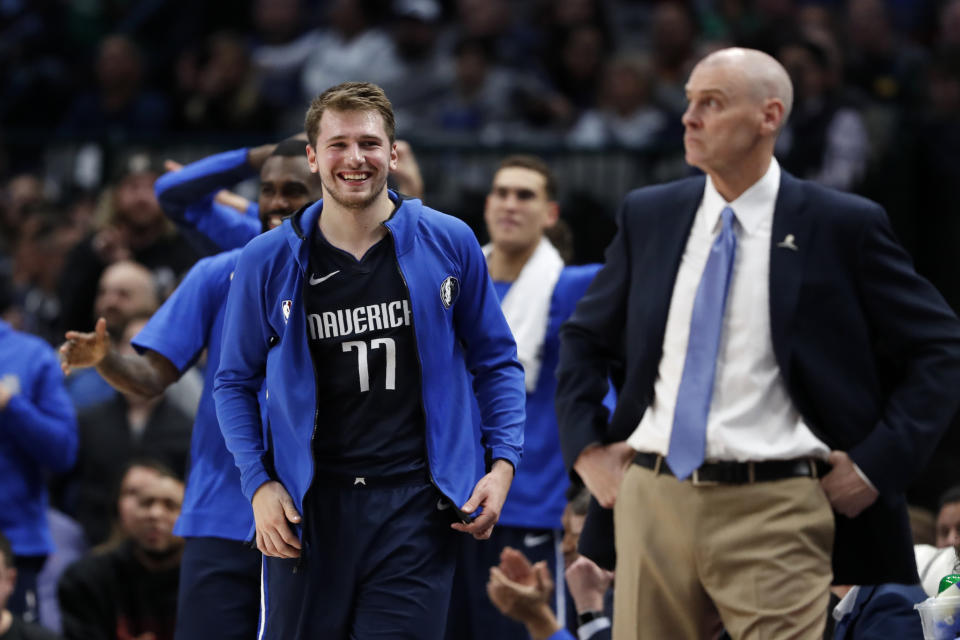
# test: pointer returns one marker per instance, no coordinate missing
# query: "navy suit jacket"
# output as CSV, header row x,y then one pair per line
x,y
869,350
881,612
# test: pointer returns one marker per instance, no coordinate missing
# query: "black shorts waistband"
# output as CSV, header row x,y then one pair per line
x,y
346,481
740,472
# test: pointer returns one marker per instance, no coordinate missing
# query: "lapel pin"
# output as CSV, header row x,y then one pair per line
x,y
788,243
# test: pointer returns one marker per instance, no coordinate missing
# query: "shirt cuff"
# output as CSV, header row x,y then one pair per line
x,y
864,477
586,631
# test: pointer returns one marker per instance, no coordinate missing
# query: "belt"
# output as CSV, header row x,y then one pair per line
x,y
739,472
342,481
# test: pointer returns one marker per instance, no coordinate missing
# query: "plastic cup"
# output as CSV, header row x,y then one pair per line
x,y
940,617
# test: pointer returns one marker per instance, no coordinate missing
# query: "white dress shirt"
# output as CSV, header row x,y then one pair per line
x,y
751,415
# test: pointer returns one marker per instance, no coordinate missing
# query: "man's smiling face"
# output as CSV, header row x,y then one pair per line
x,y
353,157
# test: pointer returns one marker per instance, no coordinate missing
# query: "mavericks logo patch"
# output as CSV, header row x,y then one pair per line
x,y
449,291
285,306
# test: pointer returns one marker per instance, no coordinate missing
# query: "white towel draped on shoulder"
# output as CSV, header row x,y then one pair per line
x,y
527,306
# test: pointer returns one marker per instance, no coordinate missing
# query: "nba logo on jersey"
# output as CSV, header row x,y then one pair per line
x,y
449,291
285,307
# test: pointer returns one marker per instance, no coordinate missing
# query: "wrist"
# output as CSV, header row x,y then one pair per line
x,y
591,603
543,625
583,617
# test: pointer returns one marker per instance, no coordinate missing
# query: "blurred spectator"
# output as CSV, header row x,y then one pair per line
x,y
130,591
497,22
116,432
11,626
825,138
351,48
281,46
17,195
948,40
627,115
886,68
136,229
575,67
418,70
477,103
948,519
119,106
674,32
221,90
126,290
45,238
37,434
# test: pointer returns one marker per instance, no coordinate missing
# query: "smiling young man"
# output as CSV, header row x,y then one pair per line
x,y
366,314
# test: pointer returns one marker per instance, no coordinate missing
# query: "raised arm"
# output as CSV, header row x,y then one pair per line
x,y
146,375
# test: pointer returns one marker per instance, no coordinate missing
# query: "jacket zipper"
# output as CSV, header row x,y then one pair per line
x,y
302,560
416,346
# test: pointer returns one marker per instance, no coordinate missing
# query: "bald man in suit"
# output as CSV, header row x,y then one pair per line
x,y
785,373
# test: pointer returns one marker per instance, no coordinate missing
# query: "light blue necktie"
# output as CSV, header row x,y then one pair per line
x,y
688,440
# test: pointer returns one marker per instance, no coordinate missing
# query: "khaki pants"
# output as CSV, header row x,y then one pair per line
x,y
754,558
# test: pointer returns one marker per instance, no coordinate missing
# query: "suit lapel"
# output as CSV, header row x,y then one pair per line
x,y
789,246
666,249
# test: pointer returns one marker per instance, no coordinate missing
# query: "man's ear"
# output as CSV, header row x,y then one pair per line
x,y
312,159
553,213
773,112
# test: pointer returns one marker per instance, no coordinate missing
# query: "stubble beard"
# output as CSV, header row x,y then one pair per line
x,y
354,204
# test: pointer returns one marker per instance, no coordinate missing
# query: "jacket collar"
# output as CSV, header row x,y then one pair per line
x,y
402,224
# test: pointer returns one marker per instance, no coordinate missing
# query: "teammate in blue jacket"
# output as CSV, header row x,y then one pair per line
x,y
220,573
537,293
38,433
366,314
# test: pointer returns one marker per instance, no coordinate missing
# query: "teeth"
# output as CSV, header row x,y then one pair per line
x,y
354,176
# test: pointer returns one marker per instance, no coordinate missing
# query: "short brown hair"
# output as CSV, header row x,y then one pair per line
x,y
350,96
536,164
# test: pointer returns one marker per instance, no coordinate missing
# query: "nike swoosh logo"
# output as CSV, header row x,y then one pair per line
x,y
315,280
531,540
442,504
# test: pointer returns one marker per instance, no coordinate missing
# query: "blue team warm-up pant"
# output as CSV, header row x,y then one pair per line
x,y
219,595
377,563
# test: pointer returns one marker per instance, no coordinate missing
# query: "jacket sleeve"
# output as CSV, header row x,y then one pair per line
x,y
590,340
246,339
912,323
187,197
491,357
41,420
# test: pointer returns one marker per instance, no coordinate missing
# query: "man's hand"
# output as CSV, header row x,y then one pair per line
x,y
273,512
85,349
847,492
522,592
588,584
490,493
601,467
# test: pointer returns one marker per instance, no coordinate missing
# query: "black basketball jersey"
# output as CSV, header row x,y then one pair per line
x,y
360,328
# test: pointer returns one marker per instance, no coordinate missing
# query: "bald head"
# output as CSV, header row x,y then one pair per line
x,y
761,74
127,289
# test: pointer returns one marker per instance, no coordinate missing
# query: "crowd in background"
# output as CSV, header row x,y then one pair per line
x,y
877,111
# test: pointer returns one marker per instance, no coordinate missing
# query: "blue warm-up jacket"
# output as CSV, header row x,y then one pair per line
x,y
38,430
459,328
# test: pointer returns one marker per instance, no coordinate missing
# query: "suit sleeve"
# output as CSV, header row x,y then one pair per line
x,y
491,357
590,340
187,197
888,614
246,336
913,324
41,420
